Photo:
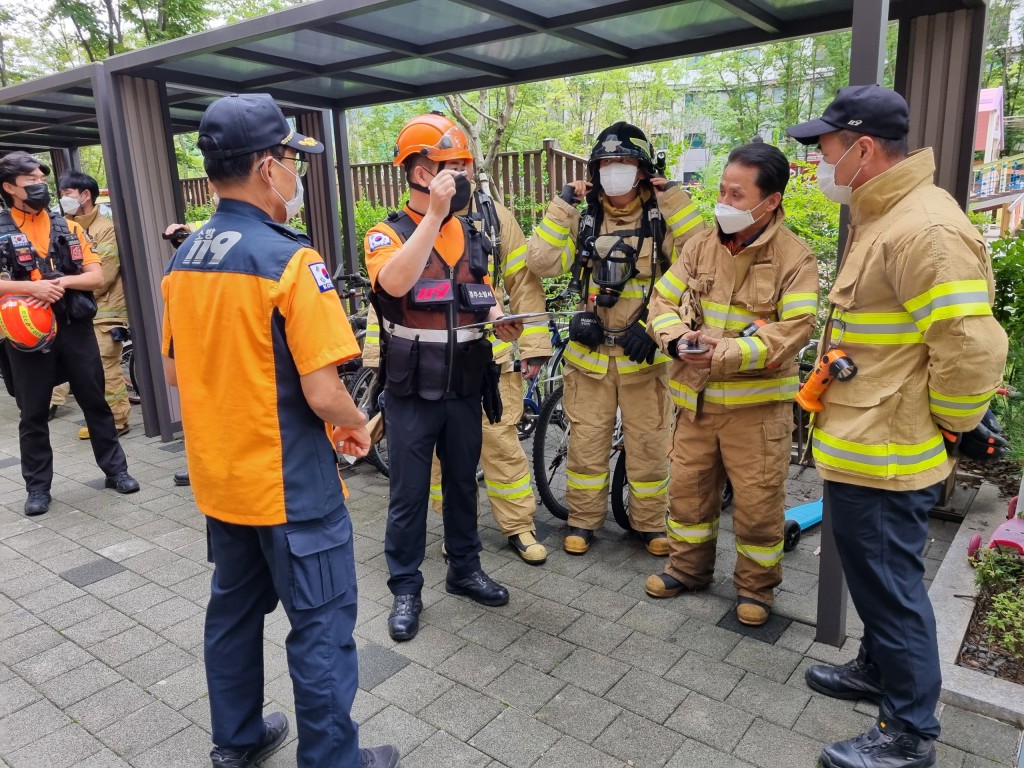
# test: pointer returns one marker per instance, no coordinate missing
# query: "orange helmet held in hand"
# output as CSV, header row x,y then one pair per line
x,y
28,328
435,137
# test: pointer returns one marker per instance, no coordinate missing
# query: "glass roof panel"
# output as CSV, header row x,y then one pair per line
x,y
788,10
671,24
313,47
327,87
418,71
428,21
223,67
526,51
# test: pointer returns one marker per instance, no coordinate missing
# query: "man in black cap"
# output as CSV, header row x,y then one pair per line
x,y
263,469
912,307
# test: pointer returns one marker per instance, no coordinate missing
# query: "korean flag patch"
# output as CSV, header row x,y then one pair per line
x,y
322,277
378,240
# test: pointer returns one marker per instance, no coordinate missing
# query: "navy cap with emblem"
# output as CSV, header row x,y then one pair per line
x,y
249,122
868,109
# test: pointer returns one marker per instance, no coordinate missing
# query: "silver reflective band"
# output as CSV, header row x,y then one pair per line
x,y
431,335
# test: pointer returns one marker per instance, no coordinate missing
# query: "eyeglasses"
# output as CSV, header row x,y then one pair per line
x,y
300,164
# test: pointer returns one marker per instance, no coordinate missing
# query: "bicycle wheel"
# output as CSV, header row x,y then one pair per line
x,y
128,366
378,456
620,492
361,386
528,421
550,455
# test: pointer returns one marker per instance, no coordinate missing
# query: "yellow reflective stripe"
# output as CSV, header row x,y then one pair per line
x,y
435,491
769,557
535,329
750,391
958,298
726,316
634,289
682,395
625,366
119,394
698,533
876,328
796,304
648,490
958,405
582,357
683,221
671,287
887,460
753,353
583,482
665,321
372,334
517,490
499,347
568,255
515,261
552,233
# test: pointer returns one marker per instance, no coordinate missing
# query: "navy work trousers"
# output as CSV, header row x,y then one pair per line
x,y
881,537
74,357
310,567
414,427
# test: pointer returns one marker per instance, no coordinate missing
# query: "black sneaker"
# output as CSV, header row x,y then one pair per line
x,y
385,756
275,731
856,679
883,746
38,503
122,482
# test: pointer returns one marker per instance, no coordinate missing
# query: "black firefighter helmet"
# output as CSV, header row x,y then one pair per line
x,y
621,139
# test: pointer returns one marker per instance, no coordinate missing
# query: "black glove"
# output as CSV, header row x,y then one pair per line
x,y
490,394
986,441
568,194
585,328
639,347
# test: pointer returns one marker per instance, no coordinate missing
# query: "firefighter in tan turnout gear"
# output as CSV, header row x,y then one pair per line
x,y
733,312
506,469
634,224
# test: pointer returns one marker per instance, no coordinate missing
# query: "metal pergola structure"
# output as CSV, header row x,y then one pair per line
x,y
325,57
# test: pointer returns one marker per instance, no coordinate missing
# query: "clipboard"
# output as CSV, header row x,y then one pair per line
x,y
526,317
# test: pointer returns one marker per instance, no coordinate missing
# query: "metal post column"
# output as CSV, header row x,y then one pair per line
x,y
867,63
347,193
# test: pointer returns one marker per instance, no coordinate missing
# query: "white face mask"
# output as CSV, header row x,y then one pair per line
x,y
839,193
69,205
732,220
293,206
618,178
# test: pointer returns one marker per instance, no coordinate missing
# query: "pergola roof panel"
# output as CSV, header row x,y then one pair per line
x,y
668,25
313,47
528,51
424,22
228,67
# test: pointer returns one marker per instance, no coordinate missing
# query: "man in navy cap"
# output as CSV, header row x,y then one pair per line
x,y
912,307
263,468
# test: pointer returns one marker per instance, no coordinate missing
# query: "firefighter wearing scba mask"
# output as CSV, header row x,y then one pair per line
x,y
734,385
507,478
429,271
634,224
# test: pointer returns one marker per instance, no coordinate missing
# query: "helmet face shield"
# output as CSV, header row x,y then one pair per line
x,y
452,146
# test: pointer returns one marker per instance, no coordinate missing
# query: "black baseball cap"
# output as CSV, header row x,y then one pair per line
x,y
868,109
248,122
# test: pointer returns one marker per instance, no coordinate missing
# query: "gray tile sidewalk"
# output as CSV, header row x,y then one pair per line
x,y
101,618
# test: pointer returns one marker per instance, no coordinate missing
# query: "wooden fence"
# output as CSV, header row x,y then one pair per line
x,y
526,180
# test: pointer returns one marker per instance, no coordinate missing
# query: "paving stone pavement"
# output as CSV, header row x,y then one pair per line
x,y
101,620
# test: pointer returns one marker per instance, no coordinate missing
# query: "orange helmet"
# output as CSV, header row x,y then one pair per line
x,y
28,328
435,137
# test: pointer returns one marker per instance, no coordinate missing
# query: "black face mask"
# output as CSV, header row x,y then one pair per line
x,y
461,197
37,196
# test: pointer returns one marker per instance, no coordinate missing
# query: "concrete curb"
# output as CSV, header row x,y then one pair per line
x,y
952,595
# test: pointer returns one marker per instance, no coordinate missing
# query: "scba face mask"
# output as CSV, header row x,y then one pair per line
x,y
619,178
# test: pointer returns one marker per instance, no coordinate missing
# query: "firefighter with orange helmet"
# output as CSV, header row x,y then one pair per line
x,y
49,259
430,277
507,478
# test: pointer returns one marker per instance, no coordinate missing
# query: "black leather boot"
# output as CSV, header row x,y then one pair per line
x,y
856,679
404,621
882,746
275,730
477,586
